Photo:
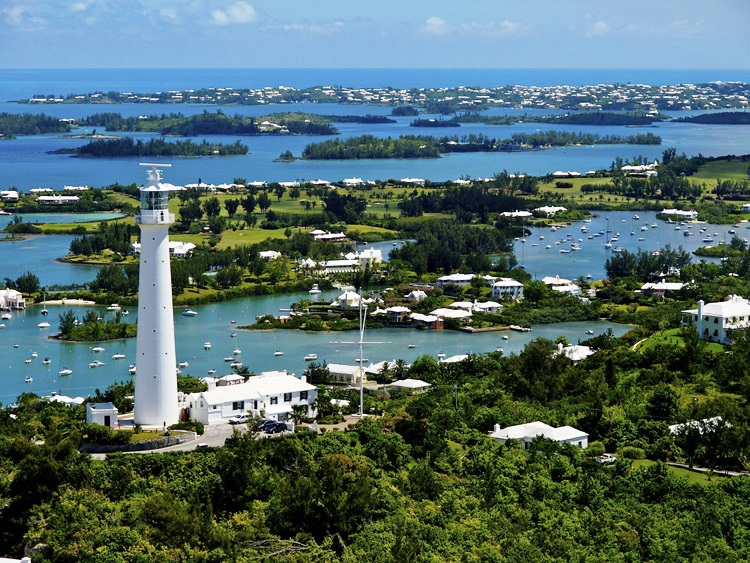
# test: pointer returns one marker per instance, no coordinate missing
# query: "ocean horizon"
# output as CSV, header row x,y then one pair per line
x,y
23,83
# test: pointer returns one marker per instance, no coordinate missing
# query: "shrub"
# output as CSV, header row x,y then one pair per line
x,y
191,425
595,449
630,452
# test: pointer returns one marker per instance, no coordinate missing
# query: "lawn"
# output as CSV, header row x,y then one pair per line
x,y
723,169
693,477
673,337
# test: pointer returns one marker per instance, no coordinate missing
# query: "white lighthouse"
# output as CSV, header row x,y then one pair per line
x,y
156,376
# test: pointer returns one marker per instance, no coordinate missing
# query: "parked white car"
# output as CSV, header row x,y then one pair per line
x,y
239,419
605,459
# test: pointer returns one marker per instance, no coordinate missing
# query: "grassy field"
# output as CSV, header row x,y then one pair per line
x,y
673,337
693,477
721,169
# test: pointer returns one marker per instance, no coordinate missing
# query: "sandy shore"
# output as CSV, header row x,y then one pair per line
x,y
68,302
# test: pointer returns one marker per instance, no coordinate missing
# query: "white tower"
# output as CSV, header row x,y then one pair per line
x,y
156,375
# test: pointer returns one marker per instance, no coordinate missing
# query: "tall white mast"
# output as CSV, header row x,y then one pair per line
x,y
156,376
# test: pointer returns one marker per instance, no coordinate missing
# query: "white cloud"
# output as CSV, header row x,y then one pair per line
x,y
598,29
15,15
315,28
439,27
237,13
80,6
436,26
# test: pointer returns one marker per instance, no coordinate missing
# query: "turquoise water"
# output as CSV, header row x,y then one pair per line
x,y
214,324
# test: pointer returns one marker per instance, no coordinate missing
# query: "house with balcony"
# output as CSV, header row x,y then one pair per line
x,y
715,321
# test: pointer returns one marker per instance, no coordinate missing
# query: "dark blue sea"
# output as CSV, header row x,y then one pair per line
x,y
20,83
25,162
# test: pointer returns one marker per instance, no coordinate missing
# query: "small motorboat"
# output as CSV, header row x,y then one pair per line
x,y
236,352
118,356
236,364
27,360
315,289
211,371
125,312
65,371
183,365
189,313
311,357
113,307
29,379
43,324
15,345
206,345
441,355
131,369
46,361
6,316
229,359
504,337
97,349
233,335
232,322
412,346
96,364
589,331
278,353
34,355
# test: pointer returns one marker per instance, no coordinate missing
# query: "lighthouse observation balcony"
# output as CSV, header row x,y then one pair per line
x,y
154,217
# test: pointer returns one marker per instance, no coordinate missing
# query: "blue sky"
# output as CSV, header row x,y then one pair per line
x,y
674,34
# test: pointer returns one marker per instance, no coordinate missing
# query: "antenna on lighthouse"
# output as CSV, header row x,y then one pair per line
x,y
154,175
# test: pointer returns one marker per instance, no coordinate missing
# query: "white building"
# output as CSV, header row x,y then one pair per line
x,y
409,386
574,352
714,321
416,295
8,195
507,287
460,280
11,299
103,414
679,213
345,373
525,433
176,248
156,379
270,395
57,199
269,254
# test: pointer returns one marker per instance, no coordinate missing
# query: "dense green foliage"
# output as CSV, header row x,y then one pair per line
x,y
369,146
126,146
216,123
111,236
93,328
12,124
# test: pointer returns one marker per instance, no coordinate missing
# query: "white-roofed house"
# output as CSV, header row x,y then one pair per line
x,y
345,373
103,414
12,299
416,295
507,287
525,433
556,280
460,280
270,394
409,386
574,352
269,254
487,307
570,289
715,321
447,313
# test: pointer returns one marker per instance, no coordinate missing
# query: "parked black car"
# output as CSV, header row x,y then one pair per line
x,y
263,423
275,428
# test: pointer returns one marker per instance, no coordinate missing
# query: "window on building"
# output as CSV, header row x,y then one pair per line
x,y
287,397
238,406
274,400
303,395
